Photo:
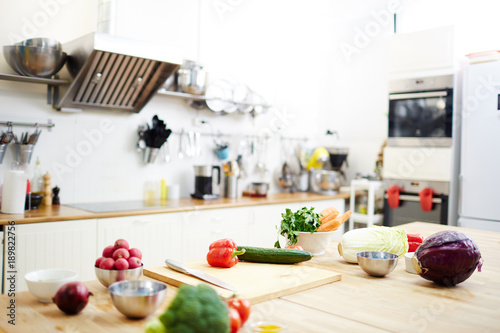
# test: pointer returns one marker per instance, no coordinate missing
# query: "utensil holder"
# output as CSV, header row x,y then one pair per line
x,y
150,154
24,153
3,148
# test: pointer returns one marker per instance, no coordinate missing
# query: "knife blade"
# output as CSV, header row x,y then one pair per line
x,y
177,266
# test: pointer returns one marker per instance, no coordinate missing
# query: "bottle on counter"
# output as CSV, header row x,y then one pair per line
x,y
37,180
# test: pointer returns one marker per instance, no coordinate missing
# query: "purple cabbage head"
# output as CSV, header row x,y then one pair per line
x,y
447,258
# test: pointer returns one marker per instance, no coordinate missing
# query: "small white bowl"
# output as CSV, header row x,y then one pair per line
x,y
45,283
315,242
408,263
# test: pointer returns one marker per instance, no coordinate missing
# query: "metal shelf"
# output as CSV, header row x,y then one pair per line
x,y
52,83
203,98
31,79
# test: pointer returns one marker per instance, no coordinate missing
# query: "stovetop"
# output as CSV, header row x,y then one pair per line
x,y
120,206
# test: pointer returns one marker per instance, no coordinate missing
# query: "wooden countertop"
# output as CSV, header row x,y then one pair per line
x,y
399,302
66,213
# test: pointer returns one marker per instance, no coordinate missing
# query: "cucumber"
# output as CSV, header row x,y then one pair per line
x,y
273,255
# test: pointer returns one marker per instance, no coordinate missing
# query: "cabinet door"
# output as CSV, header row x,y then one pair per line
x,y
267,218
202,227
158,236
68,244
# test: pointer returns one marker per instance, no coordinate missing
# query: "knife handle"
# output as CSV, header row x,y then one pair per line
x,y
177,266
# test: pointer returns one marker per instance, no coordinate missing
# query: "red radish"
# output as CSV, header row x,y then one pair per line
x,y
134,262
98,261
121,244
108,251
121,264
135,252
121,253
107,263
72,297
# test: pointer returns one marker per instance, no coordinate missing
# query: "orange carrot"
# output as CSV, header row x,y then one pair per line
x,y
327,212
334,224
331,225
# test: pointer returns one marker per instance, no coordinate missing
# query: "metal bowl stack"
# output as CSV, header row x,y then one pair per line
x,y
38,57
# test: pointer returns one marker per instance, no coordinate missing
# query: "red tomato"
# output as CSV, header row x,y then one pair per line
x,y
242,306
296,247
234,320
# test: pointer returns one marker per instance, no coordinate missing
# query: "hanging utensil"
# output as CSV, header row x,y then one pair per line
x,y
180,153
167,151
197,143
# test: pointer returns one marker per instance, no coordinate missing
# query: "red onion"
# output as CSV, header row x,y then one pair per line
x,y
447,258
72,297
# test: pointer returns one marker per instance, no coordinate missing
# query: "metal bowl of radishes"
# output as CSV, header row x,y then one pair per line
x,y
118,262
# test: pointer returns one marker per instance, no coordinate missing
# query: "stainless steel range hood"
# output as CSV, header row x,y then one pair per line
x,y
111,73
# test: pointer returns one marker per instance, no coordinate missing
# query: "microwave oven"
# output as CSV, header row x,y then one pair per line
x,y
421,112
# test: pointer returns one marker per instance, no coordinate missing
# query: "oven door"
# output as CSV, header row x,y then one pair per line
x,y
422,118
409,210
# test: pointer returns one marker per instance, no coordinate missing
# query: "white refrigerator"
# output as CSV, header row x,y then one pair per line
x,y
480,147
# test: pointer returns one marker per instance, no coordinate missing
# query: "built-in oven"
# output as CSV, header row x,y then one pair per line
x,y
421,112
409,207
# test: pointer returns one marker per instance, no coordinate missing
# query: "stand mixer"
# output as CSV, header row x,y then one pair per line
x,y
328,178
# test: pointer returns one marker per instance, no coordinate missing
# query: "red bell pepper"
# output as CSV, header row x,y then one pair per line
x,y
414,241
223,253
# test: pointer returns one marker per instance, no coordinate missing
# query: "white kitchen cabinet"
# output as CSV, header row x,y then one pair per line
x,y
202,227
158,236
67,244
267,218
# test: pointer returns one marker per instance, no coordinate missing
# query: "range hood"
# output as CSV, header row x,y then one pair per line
x,y
111,73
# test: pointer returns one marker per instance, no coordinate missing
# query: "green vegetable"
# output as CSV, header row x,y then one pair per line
x,y
273,256
302,220
154,325
196,309
384,239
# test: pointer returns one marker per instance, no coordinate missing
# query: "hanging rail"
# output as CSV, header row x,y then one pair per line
x,y
49,124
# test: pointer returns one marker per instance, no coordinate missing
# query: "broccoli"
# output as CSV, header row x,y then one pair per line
x,y
196,310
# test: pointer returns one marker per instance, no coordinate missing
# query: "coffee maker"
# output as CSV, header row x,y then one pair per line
x,y
328,178
204,181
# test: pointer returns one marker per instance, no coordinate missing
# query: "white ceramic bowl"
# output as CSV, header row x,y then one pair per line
x,y
45,283
315,242
408,264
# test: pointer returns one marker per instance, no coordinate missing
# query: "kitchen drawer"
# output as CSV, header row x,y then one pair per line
x,y
68,244
158,236
202,227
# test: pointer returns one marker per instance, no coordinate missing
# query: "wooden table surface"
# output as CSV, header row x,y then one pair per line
x,y
399,302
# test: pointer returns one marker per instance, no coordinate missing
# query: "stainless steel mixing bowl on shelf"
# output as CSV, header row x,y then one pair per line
x,y
34,61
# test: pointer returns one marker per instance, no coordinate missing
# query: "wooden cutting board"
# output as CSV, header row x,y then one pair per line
x,y
256,282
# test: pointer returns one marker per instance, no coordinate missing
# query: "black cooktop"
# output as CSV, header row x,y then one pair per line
x,y
120,206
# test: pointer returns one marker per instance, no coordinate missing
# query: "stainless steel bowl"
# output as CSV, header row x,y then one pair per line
x,y
34,61
41,42
137,299
377,263
110,276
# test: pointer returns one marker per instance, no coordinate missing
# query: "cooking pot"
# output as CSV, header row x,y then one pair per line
x,y
191,78
325,181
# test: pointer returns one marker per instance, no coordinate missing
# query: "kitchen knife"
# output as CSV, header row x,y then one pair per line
x,y
177,266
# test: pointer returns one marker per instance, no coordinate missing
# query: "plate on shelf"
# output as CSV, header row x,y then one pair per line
x,y
242,96
215,97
